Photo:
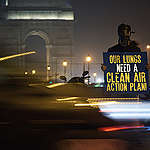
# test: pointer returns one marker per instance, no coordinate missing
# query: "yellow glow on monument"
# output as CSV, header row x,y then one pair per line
x,y
40,15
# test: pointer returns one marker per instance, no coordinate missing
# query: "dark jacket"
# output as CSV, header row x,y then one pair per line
x,y
130,48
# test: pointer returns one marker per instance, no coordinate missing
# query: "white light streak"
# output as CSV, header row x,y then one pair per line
x,y
129,115
137,110
96,104
126,110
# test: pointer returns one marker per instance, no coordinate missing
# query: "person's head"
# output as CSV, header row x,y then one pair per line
x,y
124,31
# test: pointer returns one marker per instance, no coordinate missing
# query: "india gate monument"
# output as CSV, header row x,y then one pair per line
x,y
49,20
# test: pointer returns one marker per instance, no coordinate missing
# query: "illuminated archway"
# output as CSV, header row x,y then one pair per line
x,y
45,37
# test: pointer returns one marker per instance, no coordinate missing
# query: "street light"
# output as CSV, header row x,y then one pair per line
x,y
88,59
148,46
48,72
33,72
65,63
94,75
48,68
26,73
148,53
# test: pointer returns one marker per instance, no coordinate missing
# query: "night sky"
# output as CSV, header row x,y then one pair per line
x,y
96,23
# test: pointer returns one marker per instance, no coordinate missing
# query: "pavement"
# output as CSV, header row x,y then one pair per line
x,y
32,117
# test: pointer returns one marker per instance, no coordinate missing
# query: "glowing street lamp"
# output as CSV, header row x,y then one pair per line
x,y
48,68
88,59
26,73
48,72
65,63
33,72
148,53
148,46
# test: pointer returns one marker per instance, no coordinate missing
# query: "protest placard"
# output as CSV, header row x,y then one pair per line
x,y
126,72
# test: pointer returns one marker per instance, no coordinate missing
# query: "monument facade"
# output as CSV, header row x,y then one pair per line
x,y
51,20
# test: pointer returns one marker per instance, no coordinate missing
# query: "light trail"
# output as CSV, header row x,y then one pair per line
x,y
16,55
55,85
107,103
113,98
125,111
129,115
95,104
67,99
117,128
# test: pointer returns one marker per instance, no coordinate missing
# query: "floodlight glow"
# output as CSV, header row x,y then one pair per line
x,y
94,74
99,80
40,15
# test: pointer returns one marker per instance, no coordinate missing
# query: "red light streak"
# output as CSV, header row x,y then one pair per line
x,y
117,128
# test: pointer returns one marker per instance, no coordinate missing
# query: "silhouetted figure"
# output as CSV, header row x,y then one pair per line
x,y
124,42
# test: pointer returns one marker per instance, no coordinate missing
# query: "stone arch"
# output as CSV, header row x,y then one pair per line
x,y
44,36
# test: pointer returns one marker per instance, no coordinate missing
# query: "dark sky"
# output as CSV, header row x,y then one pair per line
x,y
97,20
